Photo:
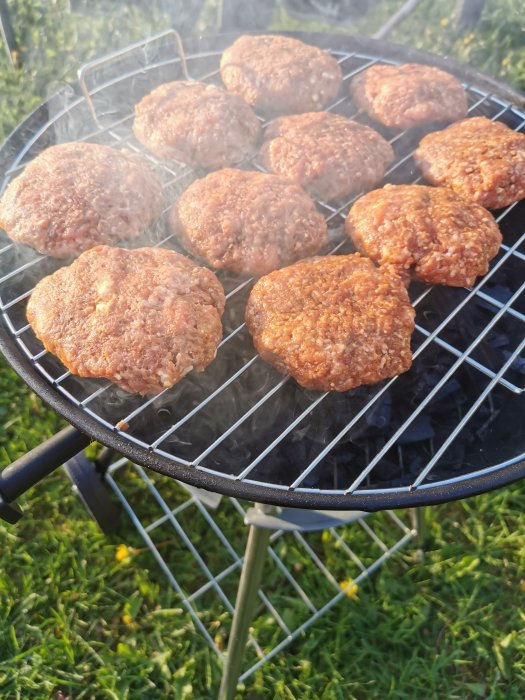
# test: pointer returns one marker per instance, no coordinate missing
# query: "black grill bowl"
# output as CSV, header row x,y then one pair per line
x,y
453,426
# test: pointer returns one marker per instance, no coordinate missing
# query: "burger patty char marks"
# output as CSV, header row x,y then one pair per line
x,y
196,123
332,322
327,154
141,318
428,233
74,196
247,222
408,95
279,74
482,160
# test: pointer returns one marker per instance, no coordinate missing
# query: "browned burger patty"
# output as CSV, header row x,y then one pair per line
x,y
141,318
482,160
333,323
196,123
74,196
279,74
408,95
428,233
247,222
327,154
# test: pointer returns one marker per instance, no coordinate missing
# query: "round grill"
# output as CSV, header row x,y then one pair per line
x,y
450,427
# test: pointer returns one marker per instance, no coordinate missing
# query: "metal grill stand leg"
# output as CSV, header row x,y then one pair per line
x,y
419,524
251,574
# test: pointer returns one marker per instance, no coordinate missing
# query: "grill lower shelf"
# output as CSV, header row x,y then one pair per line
x,y
304,574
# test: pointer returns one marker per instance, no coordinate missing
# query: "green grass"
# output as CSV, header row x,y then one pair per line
x,y
76,622
75,619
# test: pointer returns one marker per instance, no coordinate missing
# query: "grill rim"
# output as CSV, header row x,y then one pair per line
x,y
501,474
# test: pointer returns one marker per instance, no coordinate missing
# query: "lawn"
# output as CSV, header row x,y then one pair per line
x,y
83,617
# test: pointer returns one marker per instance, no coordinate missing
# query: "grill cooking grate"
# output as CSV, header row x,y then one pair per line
x,y
447,420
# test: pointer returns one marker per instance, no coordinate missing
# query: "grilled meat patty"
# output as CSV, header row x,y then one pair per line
x,y
279,74
332,322
196,123
482,160
247,222
327,154
74,196
141,318
425,233
408,95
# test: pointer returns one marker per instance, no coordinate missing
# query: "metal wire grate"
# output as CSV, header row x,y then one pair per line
x,y
241,421
304,572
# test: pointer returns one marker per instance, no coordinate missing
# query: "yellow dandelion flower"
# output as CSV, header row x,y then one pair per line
x,y
127,619
350,588
506,61
444,22
123,552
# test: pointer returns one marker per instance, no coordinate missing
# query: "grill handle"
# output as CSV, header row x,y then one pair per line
x,y
97,63
27,471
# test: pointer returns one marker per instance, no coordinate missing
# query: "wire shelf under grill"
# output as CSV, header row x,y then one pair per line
x,y
455,416
305,573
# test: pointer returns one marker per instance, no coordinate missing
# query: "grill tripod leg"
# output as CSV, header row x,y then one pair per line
x,y
88,483
251,574
418,516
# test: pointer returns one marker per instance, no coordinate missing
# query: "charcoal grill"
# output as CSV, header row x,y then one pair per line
x,y
453,426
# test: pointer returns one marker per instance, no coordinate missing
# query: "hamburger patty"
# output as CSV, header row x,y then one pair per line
x,y
74,196
141,318
247,222
196,123
482,160
408,95
327,154
332,322
279,74
428,233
